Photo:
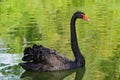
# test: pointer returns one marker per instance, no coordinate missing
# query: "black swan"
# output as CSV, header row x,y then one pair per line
x,y
40,58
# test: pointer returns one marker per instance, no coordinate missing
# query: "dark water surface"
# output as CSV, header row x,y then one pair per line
x,y
27,22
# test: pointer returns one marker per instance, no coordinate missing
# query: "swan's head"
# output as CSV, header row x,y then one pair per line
x,y
81,15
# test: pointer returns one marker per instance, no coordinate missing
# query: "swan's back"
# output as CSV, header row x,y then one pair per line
x,y
46,60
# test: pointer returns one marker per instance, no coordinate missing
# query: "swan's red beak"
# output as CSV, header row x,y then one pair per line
x,y
85,18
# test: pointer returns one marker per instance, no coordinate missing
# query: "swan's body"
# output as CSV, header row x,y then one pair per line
x,y
45,59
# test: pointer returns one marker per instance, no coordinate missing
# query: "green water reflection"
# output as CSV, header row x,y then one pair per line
x,y
25,22
78,73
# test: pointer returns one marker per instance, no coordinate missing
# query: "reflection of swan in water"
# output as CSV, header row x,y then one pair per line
x,y
45,59
59,75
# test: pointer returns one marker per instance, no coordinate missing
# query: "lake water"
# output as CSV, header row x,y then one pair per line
x,y
27,22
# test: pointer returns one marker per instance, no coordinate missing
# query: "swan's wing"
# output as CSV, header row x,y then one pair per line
x,y
61,58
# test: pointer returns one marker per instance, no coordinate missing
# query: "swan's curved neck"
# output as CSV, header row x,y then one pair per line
x,y
74,42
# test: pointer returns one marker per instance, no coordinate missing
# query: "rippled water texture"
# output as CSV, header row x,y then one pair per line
x,y
27,22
